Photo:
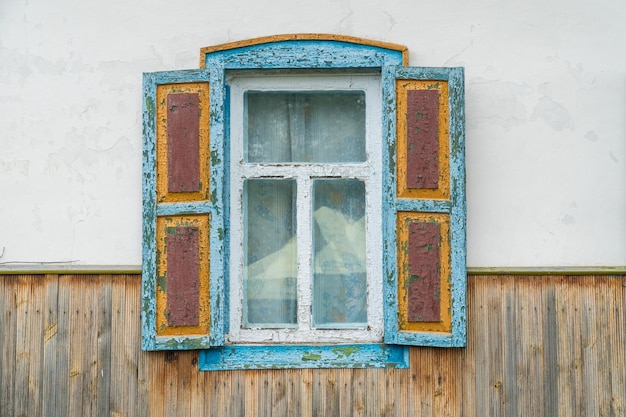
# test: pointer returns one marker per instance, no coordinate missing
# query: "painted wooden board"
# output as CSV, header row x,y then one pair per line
x,y
423,150
183,306
183,142
424,292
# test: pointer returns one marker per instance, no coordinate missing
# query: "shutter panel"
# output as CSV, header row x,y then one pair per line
x,y
178,299
425,207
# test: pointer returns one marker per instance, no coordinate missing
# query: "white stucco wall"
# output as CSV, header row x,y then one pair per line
x,y
545,105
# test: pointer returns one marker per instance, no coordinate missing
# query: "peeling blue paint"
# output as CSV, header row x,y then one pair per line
x,y
298,357
302,54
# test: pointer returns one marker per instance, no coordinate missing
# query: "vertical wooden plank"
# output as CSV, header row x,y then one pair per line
x,y
423,387
103,341
530,344
292,383
494,341
159,382
90,368
187,375
265,387
36,341
509,342
145,372
567,358
278,398
550,347
8,343
123,368
50,345
218,393
375,386
132,342
617,341
318,399
251,394
238,393
331,388
469,378
23,352
63,342
79,338
306,393
197,387
599,336
478,345
402,382
359,393
344,389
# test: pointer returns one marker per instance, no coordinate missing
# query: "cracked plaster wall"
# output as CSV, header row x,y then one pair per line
x,y
545,106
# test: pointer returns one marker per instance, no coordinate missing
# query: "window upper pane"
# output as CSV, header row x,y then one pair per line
x,y
304,126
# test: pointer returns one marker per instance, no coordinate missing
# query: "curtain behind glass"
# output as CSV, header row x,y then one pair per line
x,y
317,126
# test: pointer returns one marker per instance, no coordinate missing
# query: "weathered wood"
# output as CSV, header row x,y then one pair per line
x,y
64,341
50,344
422,139
183,142
424,272
103,346
183,283
537,345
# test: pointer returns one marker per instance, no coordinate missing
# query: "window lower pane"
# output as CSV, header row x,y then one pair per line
x,y
339,252
270,254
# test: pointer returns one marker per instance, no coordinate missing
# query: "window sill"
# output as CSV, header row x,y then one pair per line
x,y
299,357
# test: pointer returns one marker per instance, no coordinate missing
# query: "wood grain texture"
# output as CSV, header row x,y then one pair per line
x,y
302,37
422,114
537,345
424,287
423,132
411,248
183,282
182,266
183,142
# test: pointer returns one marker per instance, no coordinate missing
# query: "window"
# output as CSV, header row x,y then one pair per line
x,y
305,201
303,205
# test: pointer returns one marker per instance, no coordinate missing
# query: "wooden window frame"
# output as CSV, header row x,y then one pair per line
x,y
441,212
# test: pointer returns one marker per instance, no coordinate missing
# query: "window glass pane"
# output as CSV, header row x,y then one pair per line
x,y
339,267
270,256
315,126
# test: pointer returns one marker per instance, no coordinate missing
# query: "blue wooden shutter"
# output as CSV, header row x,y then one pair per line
x,y
182,211
424,200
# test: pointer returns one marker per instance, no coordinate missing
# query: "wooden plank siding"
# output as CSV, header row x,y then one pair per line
x,y
537,345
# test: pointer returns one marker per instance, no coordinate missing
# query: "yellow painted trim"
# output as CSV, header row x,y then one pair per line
x,y
163,196
445,296
201,221
303,36
443,191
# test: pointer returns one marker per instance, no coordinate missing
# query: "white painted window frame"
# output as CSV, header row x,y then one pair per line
x,y
304,173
